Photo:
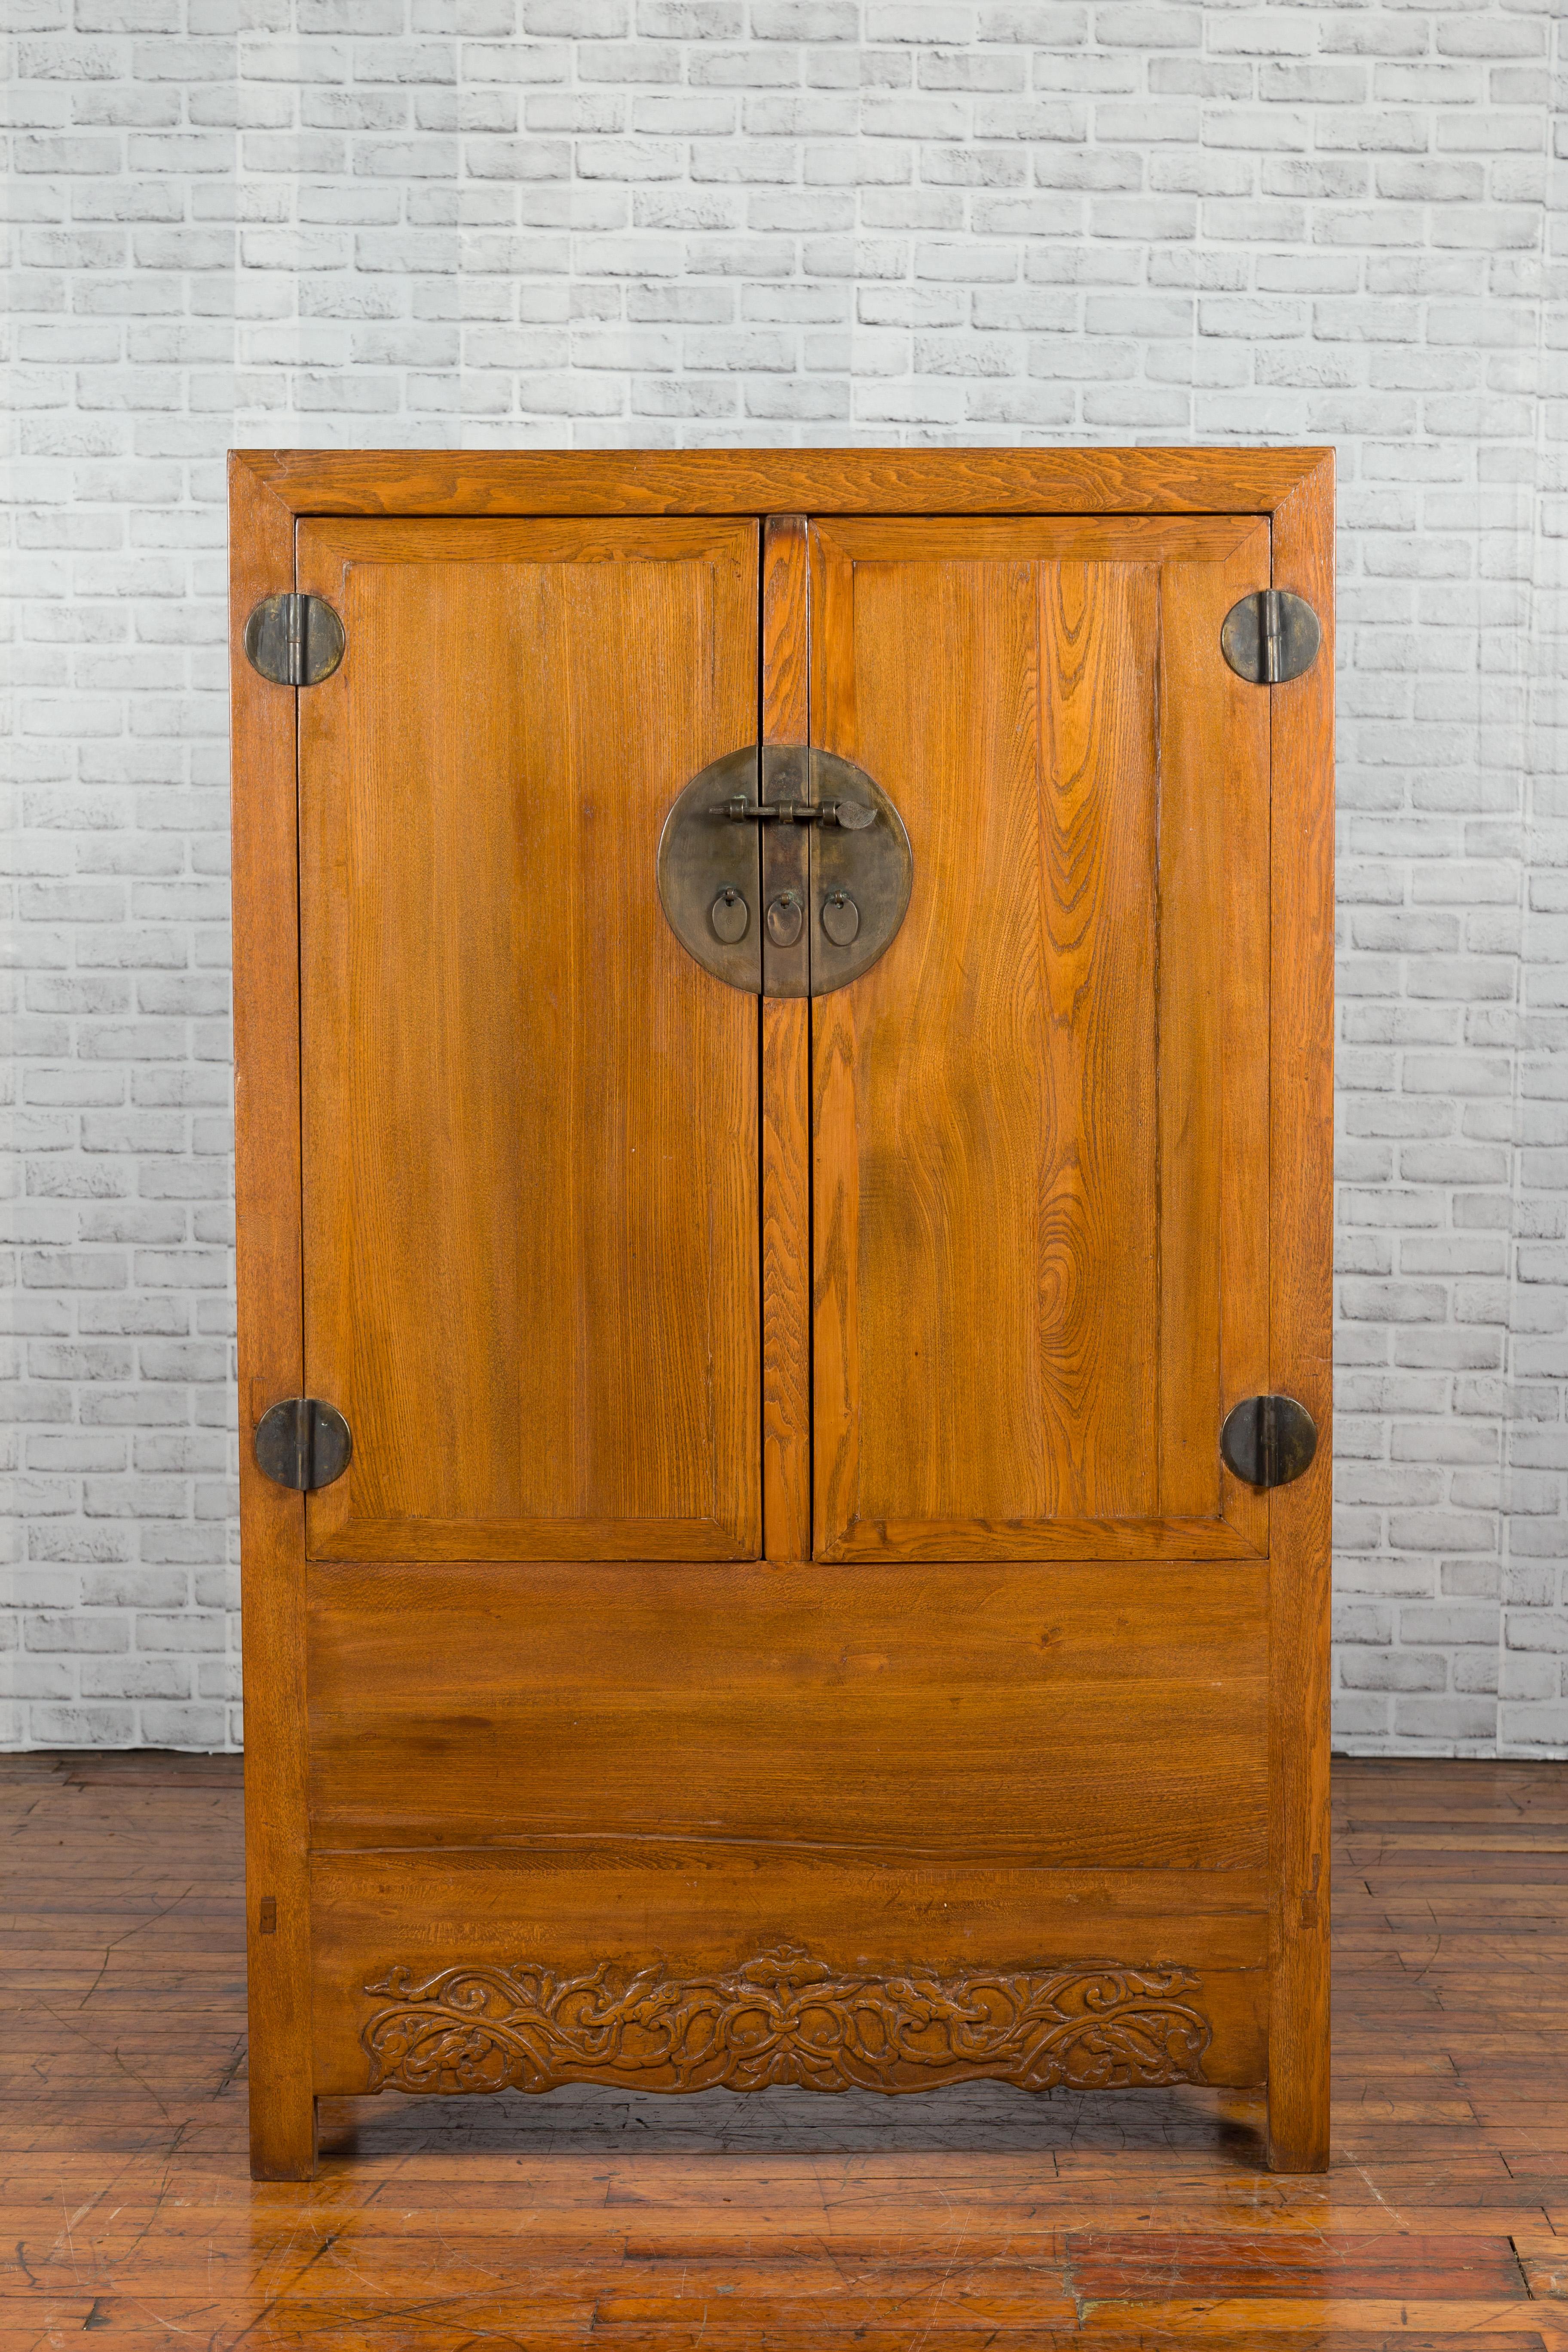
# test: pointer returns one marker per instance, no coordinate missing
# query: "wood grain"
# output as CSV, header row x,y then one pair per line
x,y
959,2220
787,1101
1025,1291
783,481
1300,1338
1103,1719
574,1904
540,1324
267,1184
1097,1261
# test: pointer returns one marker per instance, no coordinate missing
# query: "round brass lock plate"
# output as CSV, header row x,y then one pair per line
x,y
785,871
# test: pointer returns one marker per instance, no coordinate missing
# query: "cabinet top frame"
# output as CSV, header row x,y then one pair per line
x,y
783,481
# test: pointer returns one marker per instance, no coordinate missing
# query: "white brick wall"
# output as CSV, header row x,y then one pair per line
x,y
503,222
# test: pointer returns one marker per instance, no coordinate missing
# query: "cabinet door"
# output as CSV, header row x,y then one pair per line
x,y
530,1140
1040,1122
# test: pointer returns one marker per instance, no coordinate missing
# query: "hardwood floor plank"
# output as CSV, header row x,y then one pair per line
x,y
957,2222
1105,2265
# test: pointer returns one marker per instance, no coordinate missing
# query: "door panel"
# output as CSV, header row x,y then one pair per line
x,y
1040,1122
529,1186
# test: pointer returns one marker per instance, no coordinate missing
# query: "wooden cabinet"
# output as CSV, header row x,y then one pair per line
x,y
785,1617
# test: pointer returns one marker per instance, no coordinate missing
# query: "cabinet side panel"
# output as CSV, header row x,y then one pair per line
x,y
267,1184
1301,1343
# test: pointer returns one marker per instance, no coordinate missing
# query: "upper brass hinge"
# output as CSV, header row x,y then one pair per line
x,y
294,640
1270,636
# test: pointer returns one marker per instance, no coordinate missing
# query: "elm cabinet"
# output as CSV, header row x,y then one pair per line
x,y
784,1030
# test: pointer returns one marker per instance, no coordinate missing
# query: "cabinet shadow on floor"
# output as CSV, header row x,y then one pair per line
x,y
977,2118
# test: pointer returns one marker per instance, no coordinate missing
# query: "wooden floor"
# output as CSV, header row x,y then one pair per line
x,y
960,2219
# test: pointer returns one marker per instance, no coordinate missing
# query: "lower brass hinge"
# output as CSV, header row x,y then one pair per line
x,y
1268,1441
303,1443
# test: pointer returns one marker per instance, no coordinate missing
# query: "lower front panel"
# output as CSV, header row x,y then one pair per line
x,y
688,1969
1107,1714
681,1828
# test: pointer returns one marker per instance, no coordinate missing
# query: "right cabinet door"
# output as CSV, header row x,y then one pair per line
x,y
1040,1228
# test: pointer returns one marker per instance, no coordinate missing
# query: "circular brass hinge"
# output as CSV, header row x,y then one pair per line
x,y
1268,1441
294,640
1270,636
303,1443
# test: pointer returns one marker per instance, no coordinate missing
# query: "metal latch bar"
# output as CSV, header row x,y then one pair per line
x,y
852,815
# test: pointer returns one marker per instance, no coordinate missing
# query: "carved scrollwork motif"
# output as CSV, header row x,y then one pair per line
x,y
783,2017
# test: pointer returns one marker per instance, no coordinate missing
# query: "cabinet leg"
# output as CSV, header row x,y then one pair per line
x,y
1298,2021
282,2134
1299,2120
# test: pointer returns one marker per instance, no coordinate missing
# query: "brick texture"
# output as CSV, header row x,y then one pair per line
x,y
510,221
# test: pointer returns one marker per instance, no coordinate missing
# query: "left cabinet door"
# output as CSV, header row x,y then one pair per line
x,y
530,1203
